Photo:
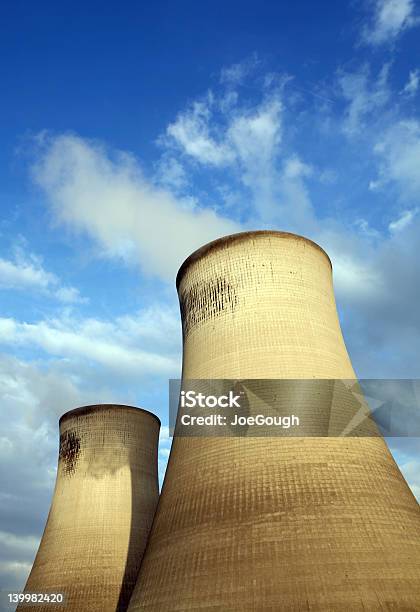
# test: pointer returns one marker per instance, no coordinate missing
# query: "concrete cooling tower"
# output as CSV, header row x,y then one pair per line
x,y
102,509
275,523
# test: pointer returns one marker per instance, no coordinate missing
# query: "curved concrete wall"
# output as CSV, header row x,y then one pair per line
x,y
102,509
275,523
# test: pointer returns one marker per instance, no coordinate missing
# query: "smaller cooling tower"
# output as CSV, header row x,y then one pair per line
x,y
103,506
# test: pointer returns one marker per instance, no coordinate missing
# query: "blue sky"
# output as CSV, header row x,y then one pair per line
x,y
131,135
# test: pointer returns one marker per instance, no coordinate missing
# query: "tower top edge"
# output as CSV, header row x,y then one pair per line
x,y
83,410
241,237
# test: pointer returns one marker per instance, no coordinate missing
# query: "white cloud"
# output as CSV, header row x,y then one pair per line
x,y
7,329
365,228
256,135
411,472
13,574
106,196
69,295
24,544
245,136
398,151
412,84
403,221
295,168
116,346
356,278
328,176
26,272
292,206
378,291
390,19
235,74
364,95
34,395
171,173
244,140
191,132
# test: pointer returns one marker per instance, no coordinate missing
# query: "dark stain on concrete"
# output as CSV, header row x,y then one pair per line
x,y
69,451
206,300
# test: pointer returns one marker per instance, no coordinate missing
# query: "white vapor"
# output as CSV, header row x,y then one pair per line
x,y
365,95
110,200
412,85
390,19
26,272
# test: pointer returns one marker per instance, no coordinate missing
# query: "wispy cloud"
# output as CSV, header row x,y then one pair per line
x,y
26,272
411,471
389,20
398,154
235,74
127,346
191,131
412,85
403,221
238,137
171,174
105,195
35,395
364,94
215,133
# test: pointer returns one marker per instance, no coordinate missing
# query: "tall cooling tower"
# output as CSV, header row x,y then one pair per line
x,y
276,523
104,501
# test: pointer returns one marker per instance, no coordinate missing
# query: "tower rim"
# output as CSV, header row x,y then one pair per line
x,y
237,237
91,408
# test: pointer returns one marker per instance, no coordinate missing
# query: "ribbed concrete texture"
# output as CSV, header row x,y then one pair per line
x,y
277,524
103,505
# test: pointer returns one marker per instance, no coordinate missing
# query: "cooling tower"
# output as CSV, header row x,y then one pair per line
x,y
103,506
275,524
